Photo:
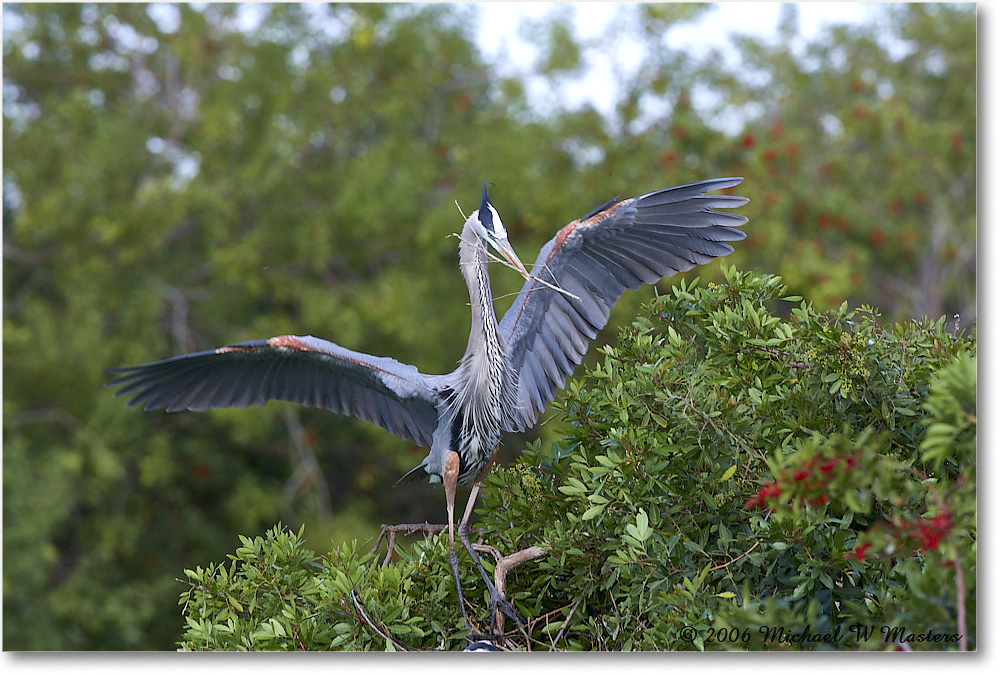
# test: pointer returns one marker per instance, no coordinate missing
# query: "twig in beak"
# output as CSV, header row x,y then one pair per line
x,y
503,262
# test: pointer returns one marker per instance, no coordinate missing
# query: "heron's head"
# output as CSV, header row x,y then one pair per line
x,y
486,223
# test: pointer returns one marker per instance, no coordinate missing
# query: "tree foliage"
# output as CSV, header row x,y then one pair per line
x,y
180,177
861,146
720,483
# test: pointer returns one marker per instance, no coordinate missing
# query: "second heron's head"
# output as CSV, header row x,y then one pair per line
x,y
486,223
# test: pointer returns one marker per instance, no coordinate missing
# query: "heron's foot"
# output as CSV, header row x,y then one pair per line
x,y
503,567
496,632
497,590
474,635
497,601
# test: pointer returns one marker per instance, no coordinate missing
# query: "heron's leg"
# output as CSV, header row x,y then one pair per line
x,y
496,599
464,525
451,468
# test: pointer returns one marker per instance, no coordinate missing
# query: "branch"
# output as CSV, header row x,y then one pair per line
x,y
566,622
179,318
745,553
361,610
408,528
504,566
503,262
963,642
307,469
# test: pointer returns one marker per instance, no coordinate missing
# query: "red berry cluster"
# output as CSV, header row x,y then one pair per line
x,y
860,551
930,531
903,537
807,482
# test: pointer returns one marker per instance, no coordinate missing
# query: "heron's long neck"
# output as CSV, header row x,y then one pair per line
x,y
484,336
485,380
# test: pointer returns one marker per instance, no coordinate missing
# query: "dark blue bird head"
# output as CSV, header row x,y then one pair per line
x,y
486,209
486,225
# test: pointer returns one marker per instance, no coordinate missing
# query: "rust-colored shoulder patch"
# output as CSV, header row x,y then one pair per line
x,y
288,341
566,231
561,236
601,215
255,346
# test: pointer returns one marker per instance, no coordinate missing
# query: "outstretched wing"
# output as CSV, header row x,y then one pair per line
x,y
620,245
306,370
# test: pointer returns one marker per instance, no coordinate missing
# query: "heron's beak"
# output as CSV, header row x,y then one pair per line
x,y
507,251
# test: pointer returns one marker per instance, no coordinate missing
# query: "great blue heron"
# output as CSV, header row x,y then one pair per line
x,y
511,369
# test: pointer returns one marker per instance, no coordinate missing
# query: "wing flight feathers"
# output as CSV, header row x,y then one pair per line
x,y
617,246
302,369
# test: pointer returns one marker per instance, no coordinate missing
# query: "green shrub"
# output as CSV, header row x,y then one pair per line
x,y
740,472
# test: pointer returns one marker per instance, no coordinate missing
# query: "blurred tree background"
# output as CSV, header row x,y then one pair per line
x,y
173,181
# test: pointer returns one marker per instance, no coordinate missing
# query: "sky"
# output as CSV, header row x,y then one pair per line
x,y
501,32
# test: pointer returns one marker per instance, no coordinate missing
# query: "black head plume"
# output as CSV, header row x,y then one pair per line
x,y
485,212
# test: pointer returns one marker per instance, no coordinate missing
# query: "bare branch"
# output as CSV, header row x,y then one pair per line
x,y
504,566
307,469
364,616
963,642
